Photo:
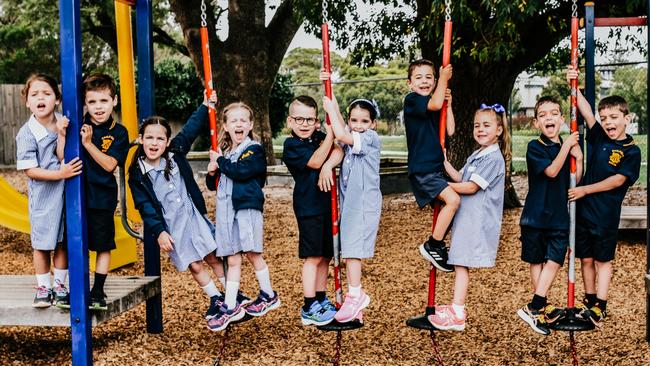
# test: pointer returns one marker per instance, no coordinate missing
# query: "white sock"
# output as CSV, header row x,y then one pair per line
x,y
354,291
44,280
59,276
459,310
222,281
264,278
211,289
232,287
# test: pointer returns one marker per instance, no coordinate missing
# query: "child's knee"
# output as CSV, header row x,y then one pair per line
x,y
212,259
234,260
196,267
452,200
587,262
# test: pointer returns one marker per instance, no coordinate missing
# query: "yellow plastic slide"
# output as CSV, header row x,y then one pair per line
x,y
14,214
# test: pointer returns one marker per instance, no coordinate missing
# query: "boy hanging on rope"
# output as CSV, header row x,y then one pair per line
x,y
613,166
545,218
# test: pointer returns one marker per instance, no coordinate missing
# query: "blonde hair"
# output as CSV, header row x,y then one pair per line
x,y
505,140
225,142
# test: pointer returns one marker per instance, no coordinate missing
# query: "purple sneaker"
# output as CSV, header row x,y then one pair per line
x,y
263,304
215,304
224,317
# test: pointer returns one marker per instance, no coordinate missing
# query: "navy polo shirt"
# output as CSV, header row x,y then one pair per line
x,y
112,139
546,202
422,140
308,199
607,158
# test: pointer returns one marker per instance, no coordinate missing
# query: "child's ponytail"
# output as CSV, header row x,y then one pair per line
x,y
505,142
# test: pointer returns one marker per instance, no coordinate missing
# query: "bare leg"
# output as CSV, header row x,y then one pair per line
x,y
41,261
201,276
102,262
310,275
604,279
257,260
461,283
216,264
588,275
321,275
353,266
60,258
451,201
535,272
546,278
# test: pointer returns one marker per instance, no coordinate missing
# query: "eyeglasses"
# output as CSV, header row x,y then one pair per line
x,y
302,120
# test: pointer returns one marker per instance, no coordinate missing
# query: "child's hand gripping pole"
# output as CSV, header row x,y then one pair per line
x,y
207,73
573,180
327,67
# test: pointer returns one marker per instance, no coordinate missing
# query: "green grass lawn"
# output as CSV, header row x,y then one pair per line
x,y
520,141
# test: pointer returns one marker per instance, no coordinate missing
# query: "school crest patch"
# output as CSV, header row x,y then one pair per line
x,y
615,157
246,154
107,141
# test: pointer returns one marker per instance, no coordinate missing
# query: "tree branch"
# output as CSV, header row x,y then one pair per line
x,y
281,30
163,38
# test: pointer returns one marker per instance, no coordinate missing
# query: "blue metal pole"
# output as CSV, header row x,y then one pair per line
x,y
70,28
647,243
146,107
590,50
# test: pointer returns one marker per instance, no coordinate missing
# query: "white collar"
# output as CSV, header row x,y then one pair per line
x,y
487,150
146,167
38,130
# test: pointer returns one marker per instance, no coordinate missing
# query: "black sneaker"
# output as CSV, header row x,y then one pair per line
x,y
98,303
243,299
596,315
43,298
215,304
535,318
435,252
552,313
61,296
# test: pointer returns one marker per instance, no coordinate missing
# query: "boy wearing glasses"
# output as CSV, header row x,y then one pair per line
x,y
304,153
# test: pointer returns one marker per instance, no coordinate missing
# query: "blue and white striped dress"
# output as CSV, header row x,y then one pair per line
x,y
360,195
36,148
477,224
237,231
191,231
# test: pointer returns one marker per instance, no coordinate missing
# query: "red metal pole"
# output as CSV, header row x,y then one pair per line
x,y
574,128
621,22
442,130
334,193
207,73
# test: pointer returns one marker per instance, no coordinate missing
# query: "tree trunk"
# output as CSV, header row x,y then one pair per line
x,y
244,65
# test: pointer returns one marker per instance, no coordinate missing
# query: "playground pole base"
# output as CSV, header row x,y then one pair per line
x,y
570,322
420,322
335,326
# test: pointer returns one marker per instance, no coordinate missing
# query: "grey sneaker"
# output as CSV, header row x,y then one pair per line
x,y
61,296
43,298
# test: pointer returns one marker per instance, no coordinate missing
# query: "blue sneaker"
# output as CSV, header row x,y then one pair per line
x,y
327,305
215,303
224,317
316,315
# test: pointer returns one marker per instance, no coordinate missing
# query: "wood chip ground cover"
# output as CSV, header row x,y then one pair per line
x,y
396,280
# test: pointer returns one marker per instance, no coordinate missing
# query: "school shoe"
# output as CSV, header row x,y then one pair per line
x,y
225,317
351,307
552,313
43,298
61,296
316,315
535,318
215,304
263,304
435,252
446,319
98,302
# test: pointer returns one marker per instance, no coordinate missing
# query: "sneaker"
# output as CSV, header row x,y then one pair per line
x,y
435,252
61,296
316,315
215,304
98,303
224,317
327,305
263,304
596,315
535,318
446,319
243,299
43,298
552,314
351,307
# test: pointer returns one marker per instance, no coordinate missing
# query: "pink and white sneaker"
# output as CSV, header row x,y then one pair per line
x,y
445,318
351,307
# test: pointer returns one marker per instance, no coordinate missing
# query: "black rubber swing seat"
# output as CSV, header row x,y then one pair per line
x,y
420,322
246,318
336,326
571,322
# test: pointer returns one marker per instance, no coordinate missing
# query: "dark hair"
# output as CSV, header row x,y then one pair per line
x,y
44,78
420,62
366,105
614,101
139,153
99,81
225,142
306,100
546,99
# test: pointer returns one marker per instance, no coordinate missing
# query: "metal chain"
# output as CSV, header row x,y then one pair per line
x,y
574,9
574,350
436,350
448,10
222,348
337,354
204,22
325,14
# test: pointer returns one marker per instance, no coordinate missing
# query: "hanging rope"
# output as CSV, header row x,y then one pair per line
x,y
222,348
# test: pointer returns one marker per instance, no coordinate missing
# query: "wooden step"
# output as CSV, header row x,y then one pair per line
x,y
633,217
17,294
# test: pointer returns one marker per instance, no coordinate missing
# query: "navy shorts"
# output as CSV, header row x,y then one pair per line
x,y
315,236
101,230
541,245
593,241
427,187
